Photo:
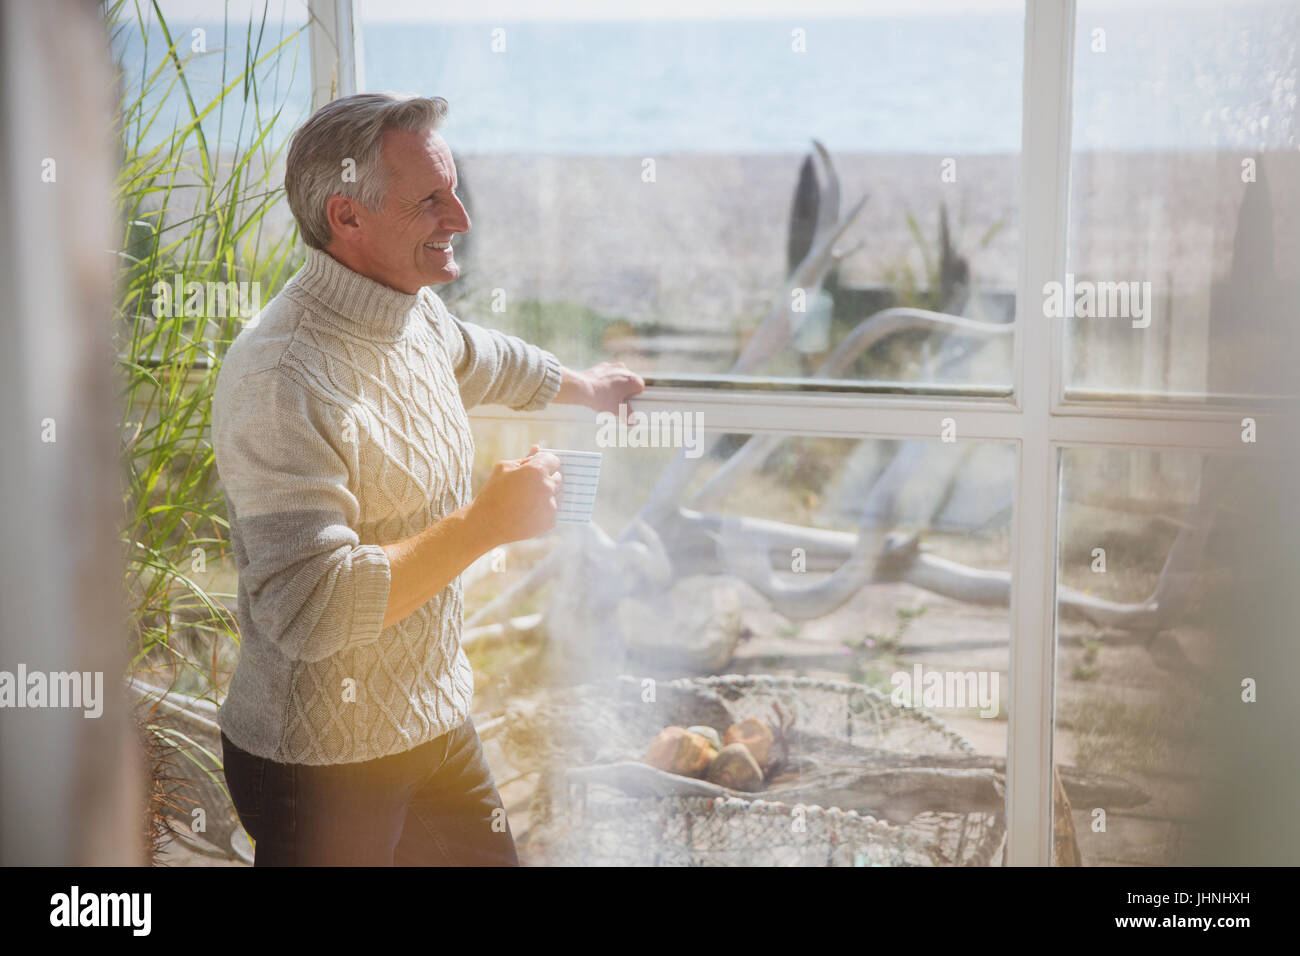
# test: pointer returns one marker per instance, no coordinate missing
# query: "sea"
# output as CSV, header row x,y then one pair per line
x,y
1147,78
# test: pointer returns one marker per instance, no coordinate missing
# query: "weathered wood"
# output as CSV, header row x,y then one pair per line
x,y
1085,787
898,795
1065,843
893,795
71,789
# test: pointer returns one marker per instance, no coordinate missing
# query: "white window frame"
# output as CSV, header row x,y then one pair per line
x,y
1037,417
337,67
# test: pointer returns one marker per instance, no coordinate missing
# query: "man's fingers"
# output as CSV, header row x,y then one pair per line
x,y
550,464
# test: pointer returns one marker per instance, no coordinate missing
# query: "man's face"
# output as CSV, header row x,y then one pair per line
x,y
406,243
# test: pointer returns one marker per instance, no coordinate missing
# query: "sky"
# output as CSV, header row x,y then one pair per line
x,y
505,10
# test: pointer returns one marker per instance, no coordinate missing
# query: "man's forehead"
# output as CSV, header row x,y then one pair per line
x,y
418,156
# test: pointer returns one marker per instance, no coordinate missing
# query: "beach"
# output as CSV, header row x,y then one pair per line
x,y
703,246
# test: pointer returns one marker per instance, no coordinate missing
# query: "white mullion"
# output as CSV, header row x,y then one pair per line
x,y
335,50
859,417
1044,208
811,414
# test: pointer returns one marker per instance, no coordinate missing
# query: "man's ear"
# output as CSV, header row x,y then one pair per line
x,y
344,222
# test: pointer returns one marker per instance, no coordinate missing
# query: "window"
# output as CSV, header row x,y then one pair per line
x,y
645,186
1182,176
682,131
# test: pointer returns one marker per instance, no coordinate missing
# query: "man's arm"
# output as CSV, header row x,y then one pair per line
x,y
519,500
424,564
495,368
313,589
603,387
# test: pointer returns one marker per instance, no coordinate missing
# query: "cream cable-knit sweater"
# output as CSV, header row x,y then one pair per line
x,y
339,425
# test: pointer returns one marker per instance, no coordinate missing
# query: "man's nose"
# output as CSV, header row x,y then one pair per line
x,y
461,218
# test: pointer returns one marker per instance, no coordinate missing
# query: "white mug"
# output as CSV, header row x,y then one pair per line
x,y
580,471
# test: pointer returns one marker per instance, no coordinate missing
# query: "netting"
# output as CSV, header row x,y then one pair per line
x,y
839,744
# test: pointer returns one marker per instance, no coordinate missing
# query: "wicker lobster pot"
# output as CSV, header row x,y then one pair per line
x,y
596,804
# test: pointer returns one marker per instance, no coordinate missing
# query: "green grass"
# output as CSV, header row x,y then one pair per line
x,y
187,208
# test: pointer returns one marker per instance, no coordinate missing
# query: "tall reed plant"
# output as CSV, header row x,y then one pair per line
x,y
201,208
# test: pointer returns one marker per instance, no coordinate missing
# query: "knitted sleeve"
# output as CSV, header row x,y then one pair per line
x,y
493,368
312,588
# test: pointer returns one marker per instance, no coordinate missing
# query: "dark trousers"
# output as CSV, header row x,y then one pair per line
x,y
434,805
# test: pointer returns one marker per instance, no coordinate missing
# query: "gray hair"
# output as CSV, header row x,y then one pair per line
x,y
350,128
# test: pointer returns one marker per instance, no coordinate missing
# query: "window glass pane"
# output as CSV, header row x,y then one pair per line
x,y
1175,611
645,188
885,669
262,44
1185,195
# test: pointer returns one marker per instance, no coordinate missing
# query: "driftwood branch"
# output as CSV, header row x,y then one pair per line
x,y
695,541
747,547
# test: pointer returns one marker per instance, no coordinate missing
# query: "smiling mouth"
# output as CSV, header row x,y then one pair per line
x,y
440,246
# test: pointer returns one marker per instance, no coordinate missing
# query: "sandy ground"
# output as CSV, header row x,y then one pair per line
x,y
706,240
710,231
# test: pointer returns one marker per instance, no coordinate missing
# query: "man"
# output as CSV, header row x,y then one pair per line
x,y
345,453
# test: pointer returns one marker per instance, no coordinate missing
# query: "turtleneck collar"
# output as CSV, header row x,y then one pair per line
x,y
368,308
